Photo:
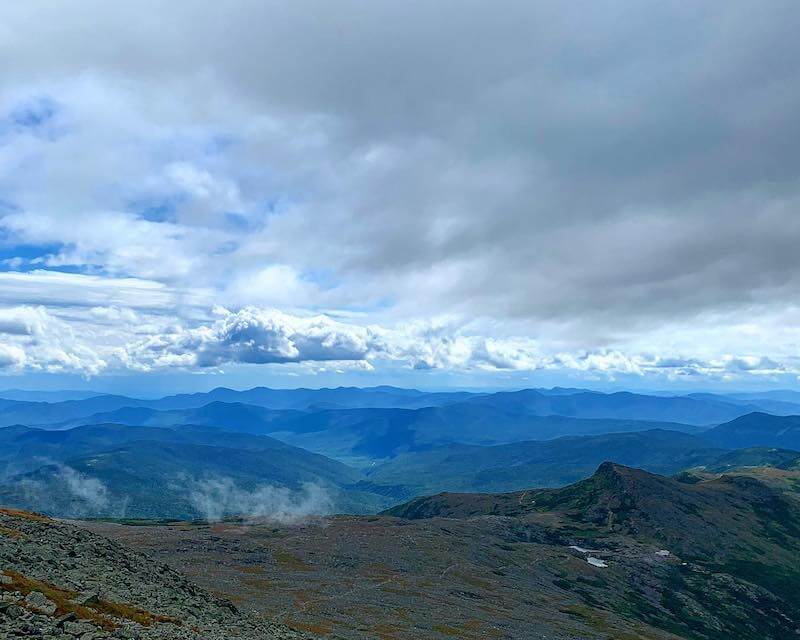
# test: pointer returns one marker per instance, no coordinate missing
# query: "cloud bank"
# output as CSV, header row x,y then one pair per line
x,y
120,339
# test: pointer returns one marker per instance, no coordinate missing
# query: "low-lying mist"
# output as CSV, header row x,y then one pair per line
x,y
217,498
72,494
63,491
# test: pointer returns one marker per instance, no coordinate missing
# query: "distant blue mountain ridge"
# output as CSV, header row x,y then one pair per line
x,y
363,449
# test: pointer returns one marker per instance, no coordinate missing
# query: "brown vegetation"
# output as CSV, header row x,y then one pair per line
x,y
25,515
96,612
11,533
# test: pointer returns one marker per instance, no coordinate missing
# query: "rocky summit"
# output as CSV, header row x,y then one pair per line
x,y
59,581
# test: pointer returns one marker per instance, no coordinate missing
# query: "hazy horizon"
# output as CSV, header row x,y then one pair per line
x,y
135,390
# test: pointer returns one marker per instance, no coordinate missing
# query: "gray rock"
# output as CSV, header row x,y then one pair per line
x,y
39,602
26,629
67,617
78,628
11,610
86,598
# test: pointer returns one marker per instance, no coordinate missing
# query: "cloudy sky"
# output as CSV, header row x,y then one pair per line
x,y
435,194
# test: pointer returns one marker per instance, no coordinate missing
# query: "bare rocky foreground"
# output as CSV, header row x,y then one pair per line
x,y
61,581
382,577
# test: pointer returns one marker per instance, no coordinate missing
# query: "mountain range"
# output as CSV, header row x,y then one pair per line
x,y
16,407
353,450
558,513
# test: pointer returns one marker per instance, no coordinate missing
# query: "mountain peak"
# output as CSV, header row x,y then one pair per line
x,y
757,429
611,469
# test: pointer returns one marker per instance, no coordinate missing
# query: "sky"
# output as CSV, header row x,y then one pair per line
x,y
431,194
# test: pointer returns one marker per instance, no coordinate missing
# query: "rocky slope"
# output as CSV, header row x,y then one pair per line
x,y
625,554
736,536
61,581
622,555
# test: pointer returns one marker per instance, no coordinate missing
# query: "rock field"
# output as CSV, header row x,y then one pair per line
x,y
61,581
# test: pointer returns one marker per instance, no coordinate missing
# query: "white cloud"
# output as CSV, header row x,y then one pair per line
x,y
211,197
446,345
259,336
97,340
11,356
560,206
54,288
42,342
217,498
263,336
115,241
277,285
23,321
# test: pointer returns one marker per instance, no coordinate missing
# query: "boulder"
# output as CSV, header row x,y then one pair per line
x,y
41,603
78,628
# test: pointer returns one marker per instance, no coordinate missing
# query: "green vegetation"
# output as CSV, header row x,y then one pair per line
x,y
733,568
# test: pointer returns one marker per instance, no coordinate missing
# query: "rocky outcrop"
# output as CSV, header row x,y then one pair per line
x,y
60,581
